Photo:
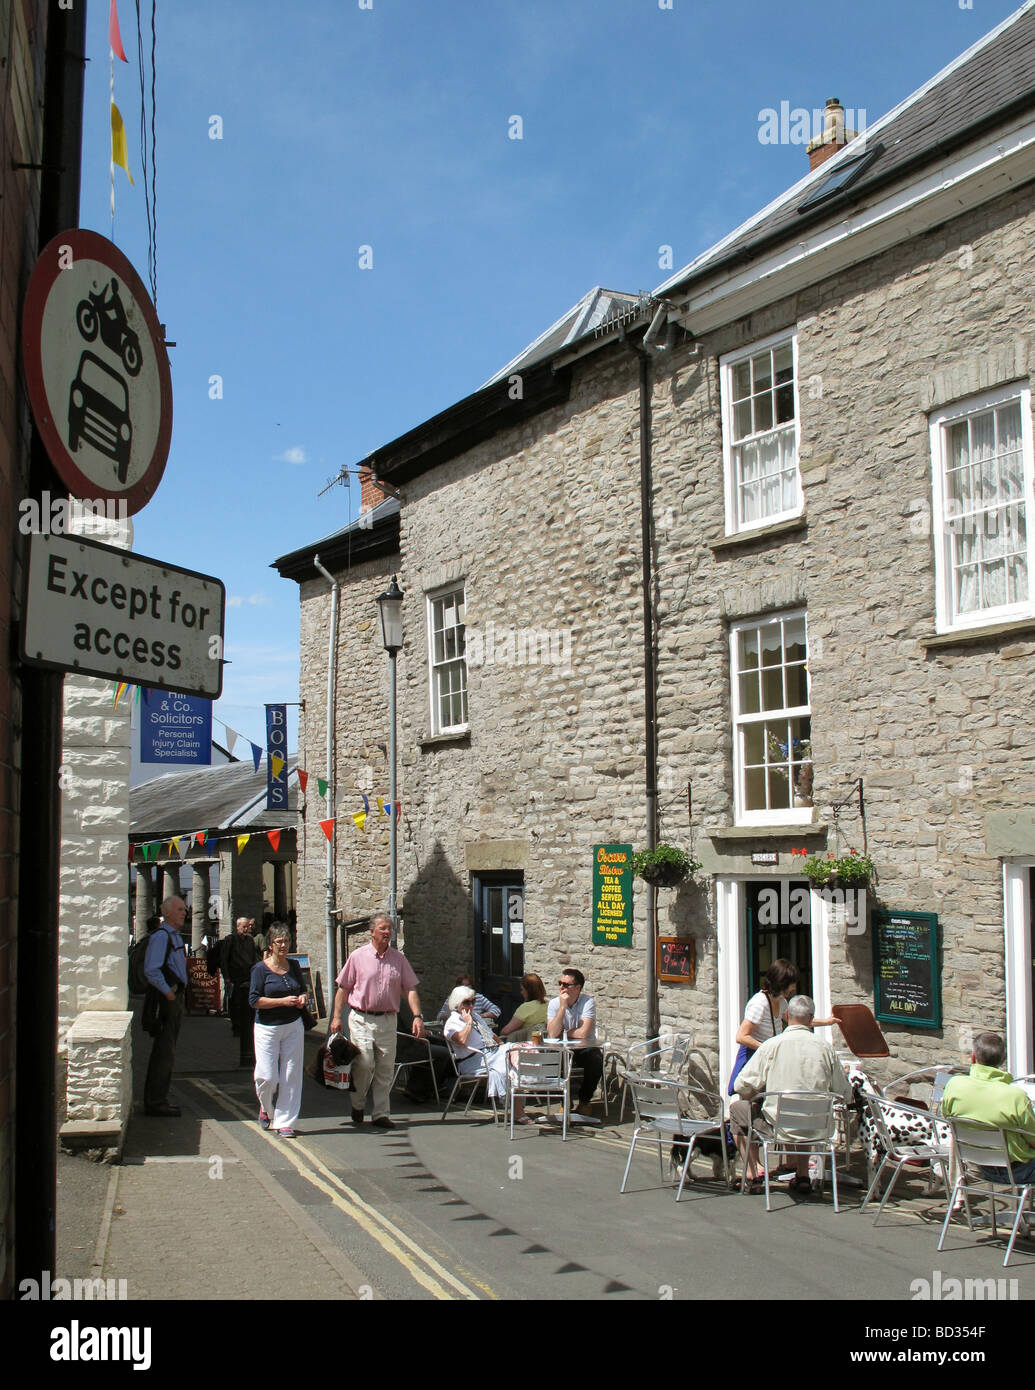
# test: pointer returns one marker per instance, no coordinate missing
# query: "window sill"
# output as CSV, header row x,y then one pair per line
x,y
803,830
759,534
965,636
442,740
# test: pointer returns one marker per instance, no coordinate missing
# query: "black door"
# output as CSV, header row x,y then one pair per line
x,y
779,923
499,936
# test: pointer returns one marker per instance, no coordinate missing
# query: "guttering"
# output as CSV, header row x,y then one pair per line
x,y
332,651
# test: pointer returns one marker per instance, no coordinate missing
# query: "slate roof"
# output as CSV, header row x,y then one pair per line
x,y
978,91
374,534
229,797
593,310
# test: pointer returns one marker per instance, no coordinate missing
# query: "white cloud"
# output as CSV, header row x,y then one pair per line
x,y
296,454
253,601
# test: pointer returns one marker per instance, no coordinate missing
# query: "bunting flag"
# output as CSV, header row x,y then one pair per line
x,y
211,845
321,786
388,809
120,690
277,763
398,810
274,838
231,738
303,778
256,755
132,852
242,840
327,826
360,817
199,837
366,804
119,154
380,806
174,845
115,34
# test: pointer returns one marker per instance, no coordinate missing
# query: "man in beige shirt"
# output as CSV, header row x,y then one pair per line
x,y
794,1060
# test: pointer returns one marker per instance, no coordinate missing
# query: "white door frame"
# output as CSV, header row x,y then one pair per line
x,y
1017,912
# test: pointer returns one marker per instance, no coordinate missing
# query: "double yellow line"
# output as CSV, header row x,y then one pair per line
x,y
440,1282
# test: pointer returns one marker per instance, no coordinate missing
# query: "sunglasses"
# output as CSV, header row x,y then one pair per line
x,y
568,984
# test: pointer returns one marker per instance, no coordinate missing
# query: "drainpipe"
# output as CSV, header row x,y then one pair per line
x,y
332,650
653,1021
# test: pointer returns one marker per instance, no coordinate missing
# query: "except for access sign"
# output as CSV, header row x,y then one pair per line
x,y
104,612
97,370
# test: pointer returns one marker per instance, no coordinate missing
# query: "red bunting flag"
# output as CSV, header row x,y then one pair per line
x,y
274,838
327,826
114,34
303,778
199,837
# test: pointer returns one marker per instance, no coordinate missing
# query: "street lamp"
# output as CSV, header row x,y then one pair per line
x,y
389,606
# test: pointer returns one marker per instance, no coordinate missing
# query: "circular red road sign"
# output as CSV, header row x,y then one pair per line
x,y
97,370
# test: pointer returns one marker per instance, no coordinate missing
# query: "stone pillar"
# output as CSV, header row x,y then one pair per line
x,y
200,890
170,879
144,900
280,909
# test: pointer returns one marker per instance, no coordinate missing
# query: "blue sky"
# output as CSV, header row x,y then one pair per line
x,y
388,127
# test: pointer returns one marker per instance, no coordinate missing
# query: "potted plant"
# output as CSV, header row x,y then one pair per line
x,y
851,870
665,866
799,757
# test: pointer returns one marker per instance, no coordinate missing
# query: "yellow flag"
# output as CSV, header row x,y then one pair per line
x,y
278,763
174,844
119,154
242,840
360,817
380,806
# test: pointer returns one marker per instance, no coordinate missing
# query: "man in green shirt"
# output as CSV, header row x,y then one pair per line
x,y
988,1095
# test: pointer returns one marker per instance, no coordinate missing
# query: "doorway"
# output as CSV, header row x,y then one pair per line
x,y
779,926
499,938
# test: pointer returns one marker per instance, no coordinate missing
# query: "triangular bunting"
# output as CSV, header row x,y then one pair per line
x,y
303,778
231,738
277,763
327,826
274,838
242,840
211,845
114,34
119,154
256,755
380,805
321,786
388,809
174,845
199,837
366,804
360,817
120,690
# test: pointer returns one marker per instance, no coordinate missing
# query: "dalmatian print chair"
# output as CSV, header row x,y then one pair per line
x,y
904,1126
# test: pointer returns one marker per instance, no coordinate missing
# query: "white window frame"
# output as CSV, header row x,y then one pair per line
x,y
791,815
947,620
434,596
727,363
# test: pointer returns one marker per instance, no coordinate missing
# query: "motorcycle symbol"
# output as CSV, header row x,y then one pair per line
x,y
105,311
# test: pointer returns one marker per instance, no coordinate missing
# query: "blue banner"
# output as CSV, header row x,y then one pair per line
x,y
276,748
175,728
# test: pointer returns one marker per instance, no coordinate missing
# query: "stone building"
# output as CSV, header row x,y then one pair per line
x,y
823,424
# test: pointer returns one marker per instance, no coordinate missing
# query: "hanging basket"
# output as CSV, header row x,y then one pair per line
x,y
665,875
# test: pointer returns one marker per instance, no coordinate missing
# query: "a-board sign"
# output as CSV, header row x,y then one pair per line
x,y
305,969
97,370
906,969
202,988
612,895
105,612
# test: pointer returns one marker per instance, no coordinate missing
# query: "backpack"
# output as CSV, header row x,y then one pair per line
x,y
137,958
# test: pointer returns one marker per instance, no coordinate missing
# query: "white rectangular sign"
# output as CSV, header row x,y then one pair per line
x,y
105,612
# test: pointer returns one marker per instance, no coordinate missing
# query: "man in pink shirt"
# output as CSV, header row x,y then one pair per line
x,y
371,984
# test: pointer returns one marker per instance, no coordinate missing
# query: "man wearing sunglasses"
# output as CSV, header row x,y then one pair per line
x,y
572,1015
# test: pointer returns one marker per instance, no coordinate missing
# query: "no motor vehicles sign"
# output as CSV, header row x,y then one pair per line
x,y
104,612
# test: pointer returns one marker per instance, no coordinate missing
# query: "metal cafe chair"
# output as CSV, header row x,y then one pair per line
x,y
428,1061
929,1150
663,1115
664,1058
978,1146
472,1080
805,1123
541,1072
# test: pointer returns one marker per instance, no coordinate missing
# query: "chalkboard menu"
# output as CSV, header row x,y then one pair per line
x,y
906,972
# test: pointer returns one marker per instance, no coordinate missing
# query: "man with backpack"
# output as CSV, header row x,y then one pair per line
x,y
165,967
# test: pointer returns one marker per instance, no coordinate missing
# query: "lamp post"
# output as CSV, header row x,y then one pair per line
x,y
390,608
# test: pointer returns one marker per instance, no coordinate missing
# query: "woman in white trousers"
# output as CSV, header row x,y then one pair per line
x,y
278,998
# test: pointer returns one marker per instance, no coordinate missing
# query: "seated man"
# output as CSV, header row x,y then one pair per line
x,y
572,1015
485,1007
987,1094
794,1060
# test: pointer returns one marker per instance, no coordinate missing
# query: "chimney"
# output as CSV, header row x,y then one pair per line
x,y
834,136
369,492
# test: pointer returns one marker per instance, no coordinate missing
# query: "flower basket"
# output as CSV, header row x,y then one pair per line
x,y
665,866
850,871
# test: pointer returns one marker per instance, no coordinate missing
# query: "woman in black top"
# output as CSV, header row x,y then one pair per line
x,y
278,998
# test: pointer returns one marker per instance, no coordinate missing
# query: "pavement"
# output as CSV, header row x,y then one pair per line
x,y
209,1206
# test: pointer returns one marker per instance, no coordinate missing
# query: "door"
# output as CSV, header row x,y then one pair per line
x,y
499,935
779,925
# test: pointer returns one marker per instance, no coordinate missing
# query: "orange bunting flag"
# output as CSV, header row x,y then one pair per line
x,y
119,153
242,840
327,826
303,778
360,817
115,34
274,838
